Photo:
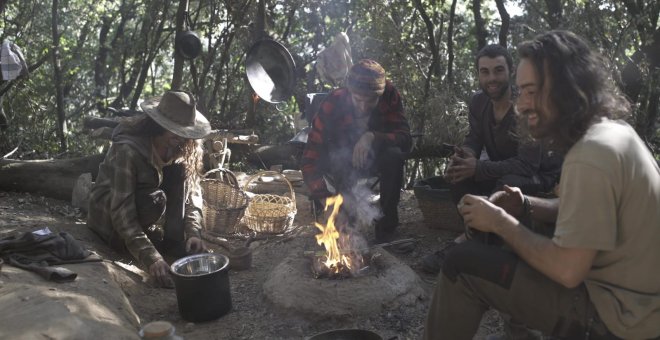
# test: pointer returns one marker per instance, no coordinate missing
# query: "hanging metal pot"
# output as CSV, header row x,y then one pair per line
x,y
346,334
188,45
271,71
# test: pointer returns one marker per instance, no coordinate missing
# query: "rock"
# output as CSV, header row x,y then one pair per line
x,y
189,327
81,190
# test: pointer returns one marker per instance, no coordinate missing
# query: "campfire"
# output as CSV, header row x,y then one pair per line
x,y
370,276
341,258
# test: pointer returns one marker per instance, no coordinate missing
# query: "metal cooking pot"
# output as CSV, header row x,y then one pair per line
x,y
188,45
202,286
346,334
271,70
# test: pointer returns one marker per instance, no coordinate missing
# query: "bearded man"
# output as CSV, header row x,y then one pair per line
x,y
492,119
509,160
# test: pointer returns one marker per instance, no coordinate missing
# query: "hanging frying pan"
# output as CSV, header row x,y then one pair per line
x,y
271,70
188,45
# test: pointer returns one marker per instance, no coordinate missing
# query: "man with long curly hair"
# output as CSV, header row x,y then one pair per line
x,y
147,196
597,277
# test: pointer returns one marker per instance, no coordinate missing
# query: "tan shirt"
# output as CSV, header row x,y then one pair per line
x,y
610,201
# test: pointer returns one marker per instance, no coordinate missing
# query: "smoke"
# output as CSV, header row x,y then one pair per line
x,y
358,214
360,209
366,212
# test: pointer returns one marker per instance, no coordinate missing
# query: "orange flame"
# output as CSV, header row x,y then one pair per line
x,y
331,239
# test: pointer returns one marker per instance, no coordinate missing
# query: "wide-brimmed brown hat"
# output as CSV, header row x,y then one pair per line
x,y
176,112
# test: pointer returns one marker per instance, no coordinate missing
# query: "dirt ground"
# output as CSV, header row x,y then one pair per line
x,y
252,316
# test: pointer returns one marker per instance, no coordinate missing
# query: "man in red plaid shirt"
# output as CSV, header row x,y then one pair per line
x,y
360,131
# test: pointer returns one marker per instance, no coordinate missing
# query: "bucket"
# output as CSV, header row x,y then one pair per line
x,y
202,286
346,334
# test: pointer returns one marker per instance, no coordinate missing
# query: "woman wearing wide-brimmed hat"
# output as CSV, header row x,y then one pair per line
x,y
147,197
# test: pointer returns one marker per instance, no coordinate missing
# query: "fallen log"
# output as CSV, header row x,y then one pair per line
x,y
428,151
92,123
288,155
101,126
56,178
52,178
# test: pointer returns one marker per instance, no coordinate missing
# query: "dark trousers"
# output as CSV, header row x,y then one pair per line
x,y
476,277
387,164
168,200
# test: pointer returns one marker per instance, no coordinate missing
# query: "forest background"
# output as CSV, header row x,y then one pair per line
x,y
87,56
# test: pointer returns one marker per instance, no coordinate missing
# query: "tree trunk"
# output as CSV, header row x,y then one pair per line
x,y
51,178
430,36
259,33
177,76
641,81
100,63
3,4
127,86
57,72
289,22
554,15
651,100
504,16
150,54
450,44
226,40
434,70
479,25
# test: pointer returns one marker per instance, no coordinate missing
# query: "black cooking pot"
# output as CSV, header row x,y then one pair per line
x,y
202,286
188,45
271,70
346,334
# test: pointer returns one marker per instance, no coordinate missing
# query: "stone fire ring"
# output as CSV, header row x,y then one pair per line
x,y
292,287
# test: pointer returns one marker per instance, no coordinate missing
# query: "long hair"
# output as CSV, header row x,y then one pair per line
x,y
581,87
190,154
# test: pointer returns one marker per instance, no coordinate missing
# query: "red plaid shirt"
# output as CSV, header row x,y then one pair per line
x,y
333,131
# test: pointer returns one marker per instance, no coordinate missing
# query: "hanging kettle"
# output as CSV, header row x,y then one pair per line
x,y
188,45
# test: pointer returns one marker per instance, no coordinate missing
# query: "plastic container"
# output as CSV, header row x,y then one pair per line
x,y
159,330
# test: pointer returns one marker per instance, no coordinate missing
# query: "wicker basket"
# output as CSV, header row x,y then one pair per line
x,y
269,213
224,202
435,201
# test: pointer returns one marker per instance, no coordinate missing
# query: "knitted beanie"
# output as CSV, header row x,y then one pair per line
x,y
367,78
